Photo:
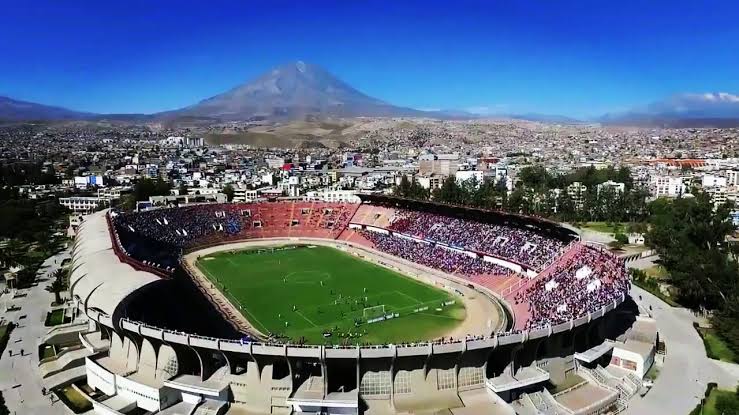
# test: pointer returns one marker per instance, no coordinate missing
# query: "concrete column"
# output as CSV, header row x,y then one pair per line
x,y
324,371
514,354
392,376
428,359
359,368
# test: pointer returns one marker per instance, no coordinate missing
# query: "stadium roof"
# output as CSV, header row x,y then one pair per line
x,y
99,278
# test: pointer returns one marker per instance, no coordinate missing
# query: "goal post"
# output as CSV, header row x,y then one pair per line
x,y
368,313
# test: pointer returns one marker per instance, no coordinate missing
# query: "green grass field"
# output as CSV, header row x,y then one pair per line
x,y
55,318
716,347
74,400
308,292
720,402
46,351
658,271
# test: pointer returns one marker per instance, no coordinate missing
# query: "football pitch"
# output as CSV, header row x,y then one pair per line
x,y
322,295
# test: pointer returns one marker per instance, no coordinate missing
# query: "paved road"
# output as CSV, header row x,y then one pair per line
x,y
20,378
687,370
643,263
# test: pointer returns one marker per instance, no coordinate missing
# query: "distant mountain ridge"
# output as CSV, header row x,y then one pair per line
x,y
546,118
299,90
17,110
713,109
291,91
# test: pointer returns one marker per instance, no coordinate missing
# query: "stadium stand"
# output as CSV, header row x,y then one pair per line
x,y
579,284
435,256
572,279
181,360
518,245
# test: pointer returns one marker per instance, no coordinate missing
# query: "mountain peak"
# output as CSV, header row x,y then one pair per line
x,y
294,90
297,66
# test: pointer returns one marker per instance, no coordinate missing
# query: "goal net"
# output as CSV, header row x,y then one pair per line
x,y
376,311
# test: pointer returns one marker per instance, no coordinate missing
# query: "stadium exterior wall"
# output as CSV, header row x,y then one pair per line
x,y
420,349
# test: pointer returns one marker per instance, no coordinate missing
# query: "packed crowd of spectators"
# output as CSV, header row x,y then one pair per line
x,y
148,251
158,236
518,245
581,284
180,227
578,284
444,259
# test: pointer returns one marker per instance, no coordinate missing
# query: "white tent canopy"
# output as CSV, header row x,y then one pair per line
x,y
583,272
594,285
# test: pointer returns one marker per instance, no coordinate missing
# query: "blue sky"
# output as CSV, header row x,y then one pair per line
x,y
577,58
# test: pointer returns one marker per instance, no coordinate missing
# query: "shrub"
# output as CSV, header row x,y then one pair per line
x,y
616,245
622,238
727,404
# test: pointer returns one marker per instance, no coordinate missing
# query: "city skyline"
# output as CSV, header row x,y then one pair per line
x,y
572,59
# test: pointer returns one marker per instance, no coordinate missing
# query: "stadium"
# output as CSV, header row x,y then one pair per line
x,y
380,307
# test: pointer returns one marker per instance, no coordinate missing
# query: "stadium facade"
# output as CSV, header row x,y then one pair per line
x,y
156,341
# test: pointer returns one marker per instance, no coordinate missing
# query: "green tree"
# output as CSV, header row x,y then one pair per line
x,y
489,195
535,177
635,205
610,205
11,254
689,235
145,188
410,189
591,207
623,175
637,227
57,285
621,238
182,189
403,188
617,245
518,201
450,192
469,189
727,404
565,207
228,190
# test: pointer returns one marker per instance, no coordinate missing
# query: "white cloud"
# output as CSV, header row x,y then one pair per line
x,y
715,97
486,109
725,96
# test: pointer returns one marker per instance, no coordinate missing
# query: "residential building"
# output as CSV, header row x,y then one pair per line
x,y
83,204
610,184
667,186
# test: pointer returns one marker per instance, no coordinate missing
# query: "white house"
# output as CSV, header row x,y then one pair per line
x,y
636,353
